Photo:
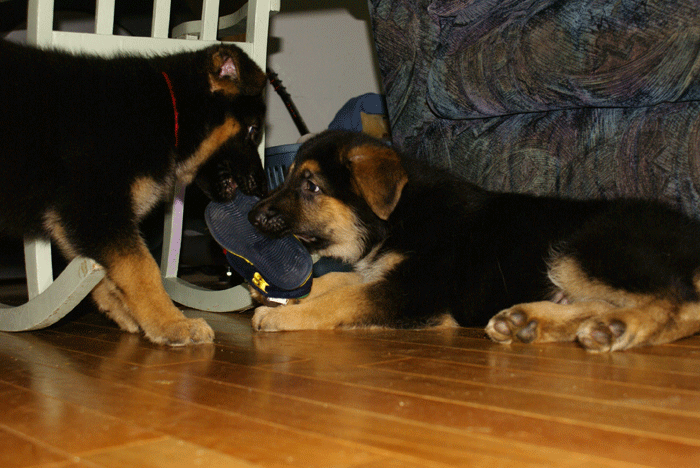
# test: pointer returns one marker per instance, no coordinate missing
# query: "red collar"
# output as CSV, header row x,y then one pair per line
x,y
172,96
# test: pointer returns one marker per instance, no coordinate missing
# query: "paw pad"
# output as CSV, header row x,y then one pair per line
x,y
601,336
510,325
528,333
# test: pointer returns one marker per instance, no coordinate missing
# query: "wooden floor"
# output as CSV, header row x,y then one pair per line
x,y
84,394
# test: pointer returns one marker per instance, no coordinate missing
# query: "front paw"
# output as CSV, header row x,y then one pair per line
x,y
292,317
181,332
269,319
512,325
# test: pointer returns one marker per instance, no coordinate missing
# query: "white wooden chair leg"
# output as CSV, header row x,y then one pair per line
x,y
181,291
37,264
49,301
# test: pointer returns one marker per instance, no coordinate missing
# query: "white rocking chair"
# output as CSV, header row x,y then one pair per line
x,y
49,300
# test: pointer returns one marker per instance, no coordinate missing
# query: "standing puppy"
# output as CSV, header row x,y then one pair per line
x,y
429,249
89,146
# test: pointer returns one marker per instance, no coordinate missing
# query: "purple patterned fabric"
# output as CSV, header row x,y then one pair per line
x,y
580,98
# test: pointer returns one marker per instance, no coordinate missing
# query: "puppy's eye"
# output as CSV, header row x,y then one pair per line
x,y
253,133
310,187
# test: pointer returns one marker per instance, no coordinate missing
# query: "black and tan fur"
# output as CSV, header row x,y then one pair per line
x,y
431,250
88,146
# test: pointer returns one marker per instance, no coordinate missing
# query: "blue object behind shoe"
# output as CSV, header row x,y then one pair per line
x,y
277,161
349,117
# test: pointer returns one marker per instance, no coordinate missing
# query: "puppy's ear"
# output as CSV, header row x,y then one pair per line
x,y
379,177
228,69
231,71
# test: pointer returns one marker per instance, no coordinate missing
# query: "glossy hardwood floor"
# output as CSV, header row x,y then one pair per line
x,y
83,394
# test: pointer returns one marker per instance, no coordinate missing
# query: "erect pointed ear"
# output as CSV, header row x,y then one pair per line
x,y
379,177
233,72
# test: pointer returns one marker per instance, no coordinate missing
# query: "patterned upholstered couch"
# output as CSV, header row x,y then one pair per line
x,y
581,98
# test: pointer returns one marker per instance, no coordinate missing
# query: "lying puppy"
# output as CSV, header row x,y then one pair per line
x,y
430,250
89,145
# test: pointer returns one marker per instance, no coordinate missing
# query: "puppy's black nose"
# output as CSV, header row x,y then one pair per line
x,y
261,215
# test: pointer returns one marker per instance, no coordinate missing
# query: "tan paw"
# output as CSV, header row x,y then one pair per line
x,y
603,334
512,325
269,319
124,321
292,317
182,332
281,318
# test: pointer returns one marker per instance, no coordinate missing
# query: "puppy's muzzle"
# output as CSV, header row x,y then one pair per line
x,y
268,220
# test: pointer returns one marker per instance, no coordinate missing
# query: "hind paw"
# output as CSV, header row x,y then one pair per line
x,y
602,335
512,325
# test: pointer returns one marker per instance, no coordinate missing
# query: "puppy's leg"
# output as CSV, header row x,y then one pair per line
x,y
331,281
336,299
655,322
132,293
110,301
599,316
139,297
581,298
542,322
321,285
598,326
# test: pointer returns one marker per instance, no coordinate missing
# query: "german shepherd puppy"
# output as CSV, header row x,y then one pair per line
x,y
89,146
431,250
